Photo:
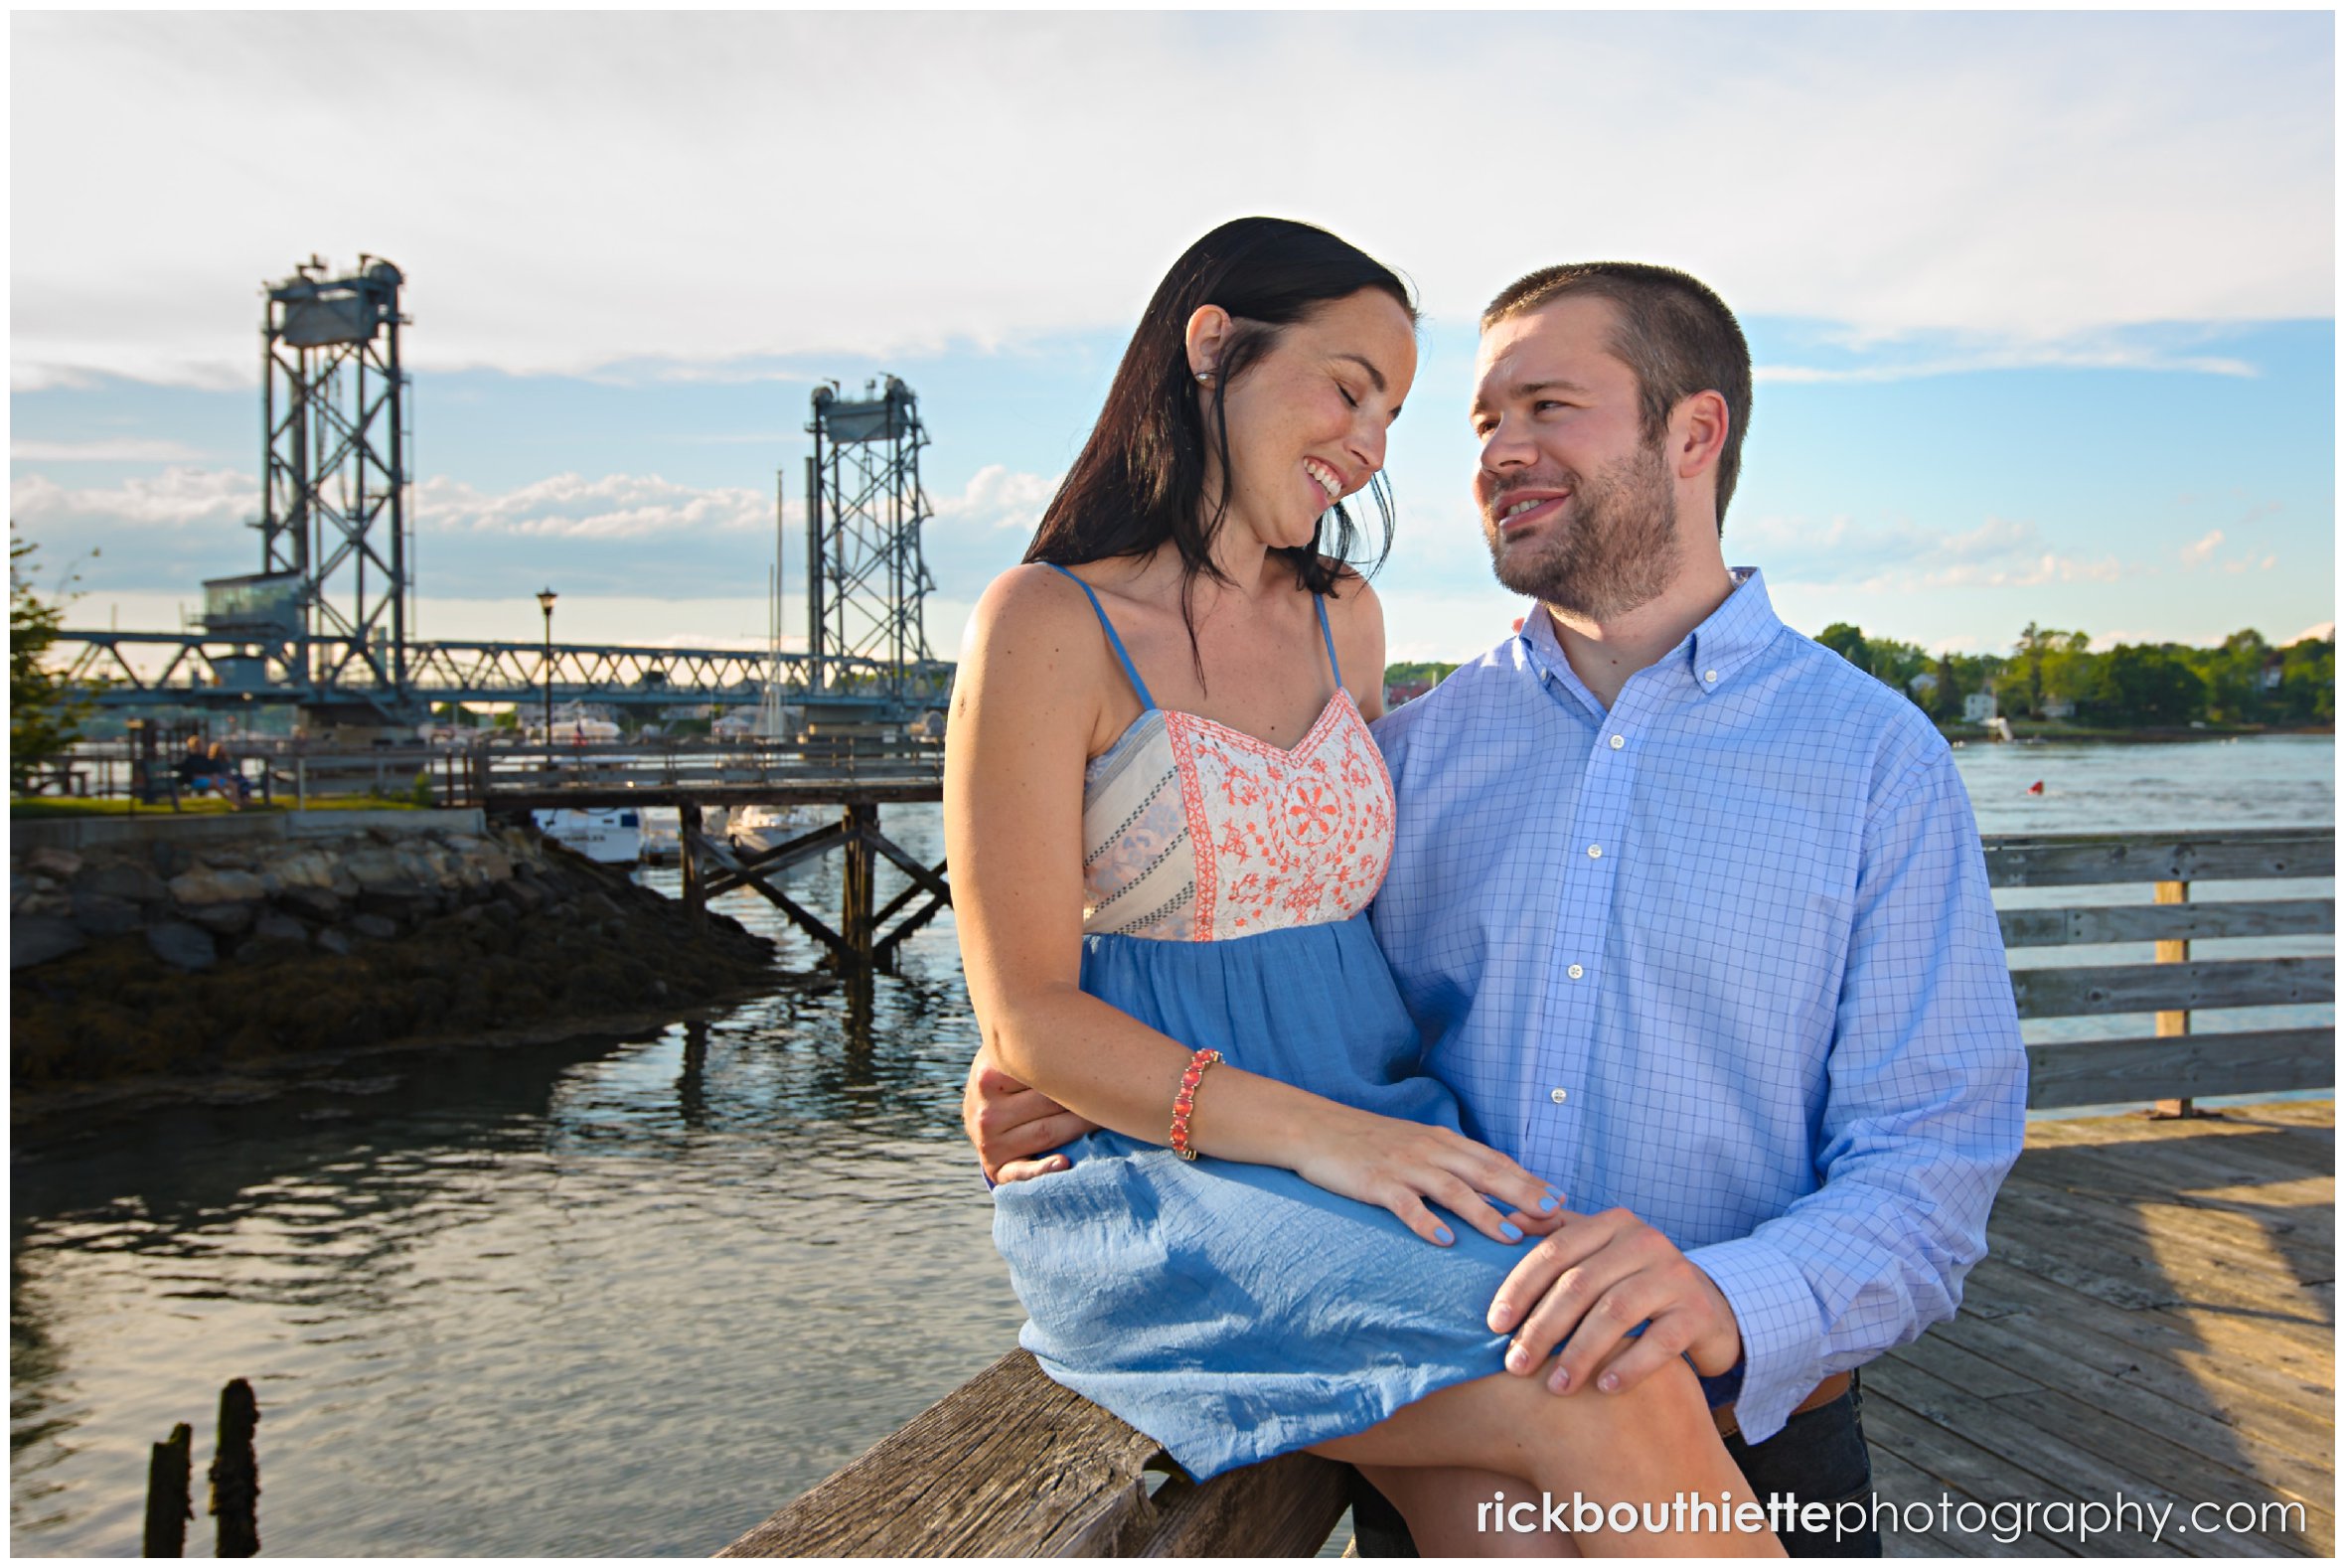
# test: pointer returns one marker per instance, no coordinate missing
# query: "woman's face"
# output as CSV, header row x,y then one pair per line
x,y
1307,420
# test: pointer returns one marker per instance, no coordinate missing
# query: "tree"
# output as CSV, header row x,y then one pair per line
x,y
2146,684
45,710
1849,643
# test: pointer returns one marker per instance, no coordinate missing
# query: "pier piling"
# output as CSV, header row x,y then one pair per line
x,y
236,1475
166,1509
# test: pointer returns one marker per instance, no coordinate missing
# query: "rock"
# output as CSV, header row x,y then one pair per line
x,y
376,869
226,920
309,869
196,888
180,945
521,895
315,903
63,864
126,879
265,949
280,927
98,915
39,938
500,913
374,926
401,905
332,941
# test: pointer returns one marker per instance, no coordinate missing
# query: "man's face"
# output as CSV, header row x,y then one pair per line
x,y
1579,510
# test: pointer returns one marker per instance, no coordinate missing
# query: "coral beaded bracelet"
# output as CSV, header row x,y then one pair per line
x,y
1186,1100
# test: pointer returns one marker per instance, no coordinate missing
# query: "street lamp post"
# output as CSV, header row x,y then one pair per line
x,y
545,598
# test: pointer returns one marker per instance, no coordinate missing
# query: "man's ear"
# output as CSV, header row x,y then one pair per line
x,y
1698,428
1207,336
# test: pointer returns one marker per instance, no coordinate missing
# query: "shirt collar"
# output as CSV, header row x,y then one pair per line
x,y
1729,638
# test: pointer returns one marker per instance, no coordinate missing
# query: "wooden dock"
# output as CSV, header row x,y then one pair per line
x,y
2156,1318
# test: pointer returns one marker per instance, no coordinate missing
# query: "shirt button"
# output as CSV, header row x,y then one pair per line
x,y
1710,675
1619,741
1596,852
1575,972
1559,1095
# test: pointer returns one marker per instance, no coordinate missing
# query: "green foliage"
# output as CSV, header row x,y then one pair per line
x,y
1849,643
1430,673
45,710
2141,683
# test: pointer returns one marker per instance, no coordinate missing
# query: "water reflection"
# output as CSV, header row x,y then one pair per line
x,y
607,1297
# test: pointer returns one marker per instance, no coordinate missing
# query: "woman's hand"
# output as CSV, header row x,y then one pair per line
x,y
1401,1166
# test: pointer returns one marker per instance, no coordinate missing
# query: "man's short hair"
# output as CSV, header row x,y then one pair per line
x,y
1673,332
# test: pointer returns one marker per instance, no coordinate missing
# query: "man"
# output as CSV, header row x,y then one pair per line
x,y
1692,913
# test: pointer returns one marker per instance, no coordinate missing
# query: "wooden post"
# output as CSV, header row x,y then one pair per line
x,y
236,1475
2172,1023
858,885
688,830
167,1510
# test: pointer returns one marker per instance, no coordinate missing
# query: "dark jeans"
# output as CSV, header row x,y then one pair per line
x,y
1820,1456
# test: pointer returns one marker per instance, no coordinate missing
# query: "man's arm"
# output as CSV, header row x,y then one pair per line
x,y
1924,1114
1009,1122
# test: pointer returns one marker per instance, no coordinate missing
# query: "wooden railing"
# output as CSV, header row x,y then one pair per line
x,y
1011,1465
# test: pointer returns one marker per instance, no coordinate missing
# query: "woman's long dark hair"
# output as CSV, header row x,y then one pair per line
x,y
1140,477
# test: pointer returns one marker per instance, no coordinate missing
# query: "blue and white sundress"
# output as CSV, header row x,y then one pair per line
x,y
1235,1312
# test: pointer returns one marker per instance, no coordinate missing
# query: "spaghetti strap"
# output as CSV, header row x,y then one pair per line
x,y
1137,684
1333,666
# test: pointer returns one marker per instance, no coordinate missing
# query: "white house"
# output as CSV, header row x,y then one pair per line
x,y
1978,707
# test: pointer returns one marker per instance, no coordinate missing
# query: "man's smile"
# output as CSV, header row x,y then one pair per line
x,y
1520,511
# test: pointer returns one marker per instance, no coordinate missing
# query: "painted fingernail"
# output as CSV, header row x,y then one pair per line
x,y
1549,1205
1610,1382
1508,1231
1441,1234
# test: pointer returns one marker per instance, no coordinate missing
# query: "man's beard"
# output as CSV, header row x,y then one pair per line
x,y
1615,547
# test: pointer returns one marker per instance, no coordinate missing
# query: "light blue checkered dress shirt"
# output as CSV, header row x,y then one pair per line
x,y
1724,957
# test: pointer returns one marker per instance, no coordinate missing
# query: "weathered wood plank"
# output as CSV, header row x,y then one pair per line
x,y
2157,987
1896,1480
2064,1073
1011,1465
2213,1244
2284,1414
2078,860
1905,1415
1942,1357
2068,1446
2095,924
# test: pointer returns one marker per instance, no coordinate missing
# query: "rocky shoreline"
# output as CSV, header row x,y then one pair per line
x,y
153,955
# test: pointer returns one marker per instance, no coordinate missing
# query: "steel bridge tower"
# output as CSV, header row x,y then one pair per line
x,y
335,552
867,579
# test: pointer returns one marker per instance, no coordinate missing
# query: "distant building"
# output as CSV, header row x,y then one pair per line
x,y
2059,707
1399,692
1978,707
1927,680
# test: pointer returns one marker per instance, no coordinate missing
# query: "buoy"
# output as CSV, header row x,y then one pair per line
x,y
2037,788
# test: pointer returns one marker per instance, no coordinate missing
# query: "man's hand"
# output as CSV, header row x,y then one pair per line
x,y
1596,1279
1007,1120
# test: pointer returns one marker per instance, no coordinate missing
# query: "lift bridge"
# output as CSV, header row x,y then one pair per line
x,y
323,625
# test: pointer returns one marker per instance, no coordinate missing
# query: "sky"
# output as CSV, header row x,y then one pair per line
x,y
2043,305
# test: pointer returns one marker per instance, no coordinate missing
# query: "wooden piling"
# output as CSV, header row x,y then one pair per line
x,y
236,1475
167,1507
687,835
858,901
2170,1025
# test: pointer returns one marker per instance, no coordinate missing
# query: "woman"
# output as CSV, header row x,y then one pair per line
x,y
1166,818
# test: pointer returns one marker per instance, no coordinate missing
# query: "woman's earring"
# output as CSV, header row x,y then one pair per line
x,y
1205,378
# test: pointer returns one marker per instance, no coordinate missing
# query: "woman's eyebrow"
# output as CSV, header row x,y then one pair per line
x,y
1367,364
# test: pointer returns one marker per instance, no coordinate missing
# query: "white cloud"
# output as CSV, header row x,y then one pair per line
x,y
615,507
997,498
178,497
118,449
1998,174
2199,553
2000,553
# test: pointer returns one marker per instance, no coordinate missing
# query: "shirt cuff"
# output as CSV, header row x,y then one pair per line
x,y
1783,1342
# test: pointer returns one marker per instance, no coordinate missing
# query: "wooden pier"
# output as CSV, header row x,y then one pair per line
x,y
2154,1321
856,771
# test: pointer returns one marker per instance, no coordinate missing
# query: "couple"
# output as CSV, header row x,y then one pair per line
x,y
1560,1088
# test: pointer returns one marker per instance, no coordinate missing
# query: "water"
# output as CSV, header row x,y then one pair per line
x,y
626,1297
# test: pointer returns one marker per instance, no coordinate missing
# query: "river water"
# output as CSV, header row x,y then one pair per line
x,y
627,1296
